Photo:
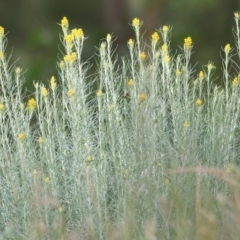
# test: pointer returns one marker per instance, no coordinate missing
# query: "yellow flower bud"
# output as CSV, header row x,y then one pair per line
x,y
32,104
142,97
227,48
187,43
99,93
199,102
21,137
71,92
64,23
136,22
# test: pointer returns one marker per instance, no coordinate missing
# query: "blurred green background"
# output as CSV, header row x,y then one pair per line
x,y
33,32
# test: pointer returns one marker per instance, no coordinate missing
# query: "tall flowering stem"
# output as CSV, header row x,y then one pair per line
x,y
227,50
237,32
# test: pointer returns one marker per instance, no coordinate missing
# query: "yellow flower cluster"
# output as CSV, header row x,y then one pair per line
x,y
69,39
210,66
64,23
44,92
1,107
61,64
112,106
142,56
155,37
53,82
164,48
32,104
130,83
36,85
167,59
103,45
78,33
18,70
40,140
1,31
142,97
89,158
201,75
227,48
1,55
70,58
199,102
178,72
165,29
99,93
237,15
130,43
136,22
71,92
47,179
21,136
187,43
109,37
235,82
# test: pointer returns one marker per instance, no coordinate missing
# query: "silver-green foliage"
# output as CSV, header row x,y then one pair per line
x,y
77,159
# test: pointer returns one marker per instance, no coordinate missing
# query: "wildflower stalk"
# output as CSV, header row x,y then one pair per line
x,y
227,59
136,25
154,62
237,32
132,57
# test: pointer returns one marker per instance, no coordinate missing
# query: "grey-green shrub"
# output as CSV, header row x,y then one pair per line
x,y
143,156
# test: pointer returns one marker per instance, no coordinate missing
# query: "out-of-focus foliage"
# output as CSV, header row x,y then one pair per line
x,y
33,32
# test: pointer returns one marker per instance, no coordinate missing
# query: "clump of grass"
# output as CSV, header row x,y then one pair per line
x,y
151,153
